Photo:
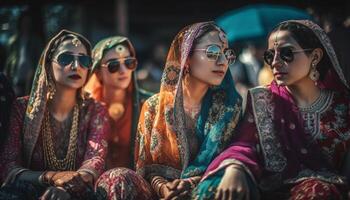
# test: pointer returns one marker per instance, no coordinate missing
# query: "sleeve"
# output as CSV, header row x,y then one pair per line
x,y
96,149
142,152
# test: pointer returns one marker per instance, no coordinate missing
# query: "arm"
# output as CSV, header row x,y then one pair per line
x,y
96,147
142,155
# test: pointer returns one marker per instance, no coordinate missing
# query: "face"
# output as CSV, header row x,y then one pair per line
x,y
204,69
121,75
70,64
289,63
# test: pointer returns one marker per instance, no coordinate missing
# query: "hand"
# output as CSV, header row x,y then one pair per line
x,y
175,190
55,193
69,180
233,185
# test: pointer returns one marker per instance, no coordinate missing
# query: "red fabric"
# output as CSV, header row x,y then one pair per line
x,y
313,189
119,144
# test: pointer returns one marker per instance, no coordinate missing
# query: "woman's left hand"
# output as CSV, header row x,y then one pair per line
x,y
55,193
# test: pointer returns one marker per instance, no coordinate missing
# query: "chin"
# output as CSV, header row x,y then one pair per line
x,y
281,83
216,82
74,86
121,86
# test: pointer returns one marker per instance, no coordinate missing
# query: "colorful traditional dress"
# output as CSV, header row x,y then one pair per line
x,y
167,144
121,138
26,145
287,151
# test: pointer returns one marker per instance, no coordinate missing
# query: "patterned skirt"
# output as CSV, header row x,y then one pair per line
x,y
122,184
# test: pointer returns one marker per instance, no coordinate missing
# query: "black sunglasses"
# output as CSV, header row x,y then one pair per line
x,y
285,53
213,53
66,58
114,65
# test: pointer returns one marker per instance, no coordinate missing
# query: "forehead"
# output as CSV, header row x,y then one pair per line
x,y
281,39
71,46
213,37
118,51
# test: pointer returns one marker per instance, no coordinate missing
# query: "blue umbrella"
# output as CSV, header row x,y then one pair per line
x,y
255,22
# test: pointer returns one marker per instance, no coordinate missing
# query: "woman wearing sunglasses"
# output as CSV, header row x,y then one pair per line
x,y
295,135
57,146
114,83
183,127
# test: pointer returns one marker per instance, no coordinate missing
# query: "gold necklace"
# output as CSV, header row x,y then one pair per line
x,y
51,160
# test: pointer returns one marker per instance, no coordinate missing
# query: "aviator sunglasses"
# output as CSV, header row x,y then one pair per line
x,y
213,53
115,64
66,58
285,53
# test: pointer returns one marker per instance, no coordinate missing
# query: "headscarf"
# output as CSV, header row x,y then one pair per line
x,y
163,147
38,98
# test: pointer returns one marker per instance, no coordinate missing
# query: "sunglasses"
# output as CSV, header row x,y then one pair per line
x,y
285,53
213,53
115,64
65,59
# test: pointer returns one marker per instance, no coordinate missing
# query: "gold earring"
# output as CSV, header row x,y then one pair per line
x,y
187,70
314,74
52,90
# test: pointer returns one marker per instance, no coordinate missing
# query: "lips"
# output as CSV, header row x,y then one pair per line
x,y
122,78
75,77
219,72
279,74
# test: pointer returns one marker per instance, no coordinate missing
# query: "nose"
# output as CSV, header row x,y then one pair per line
x,y
122,68
277,61
222,60
75,64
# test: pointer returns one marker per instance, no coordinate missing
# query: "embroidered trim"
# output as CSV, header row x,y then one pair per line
x,y
321,175
312,114
263,109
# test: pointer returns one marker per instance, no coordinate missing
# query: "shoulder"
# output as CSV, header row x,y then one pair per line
x,y
340,99
260,89
93,105
151,103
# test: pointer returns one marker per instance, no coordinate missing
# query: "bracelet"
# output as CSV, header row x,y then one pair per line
x,y
41,179
157,183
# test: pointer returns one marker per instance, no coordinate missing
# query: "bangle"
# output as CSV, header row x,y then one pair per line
x,y
42,180
157,183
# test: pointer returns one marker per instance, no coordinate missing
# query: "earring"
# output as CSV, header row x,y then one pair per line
x,y
314,74
187,70
52,90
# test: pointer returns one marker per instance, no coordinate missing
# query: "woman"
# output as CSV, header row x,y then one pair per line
x,y
57,146
189,122
295,134
114,83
